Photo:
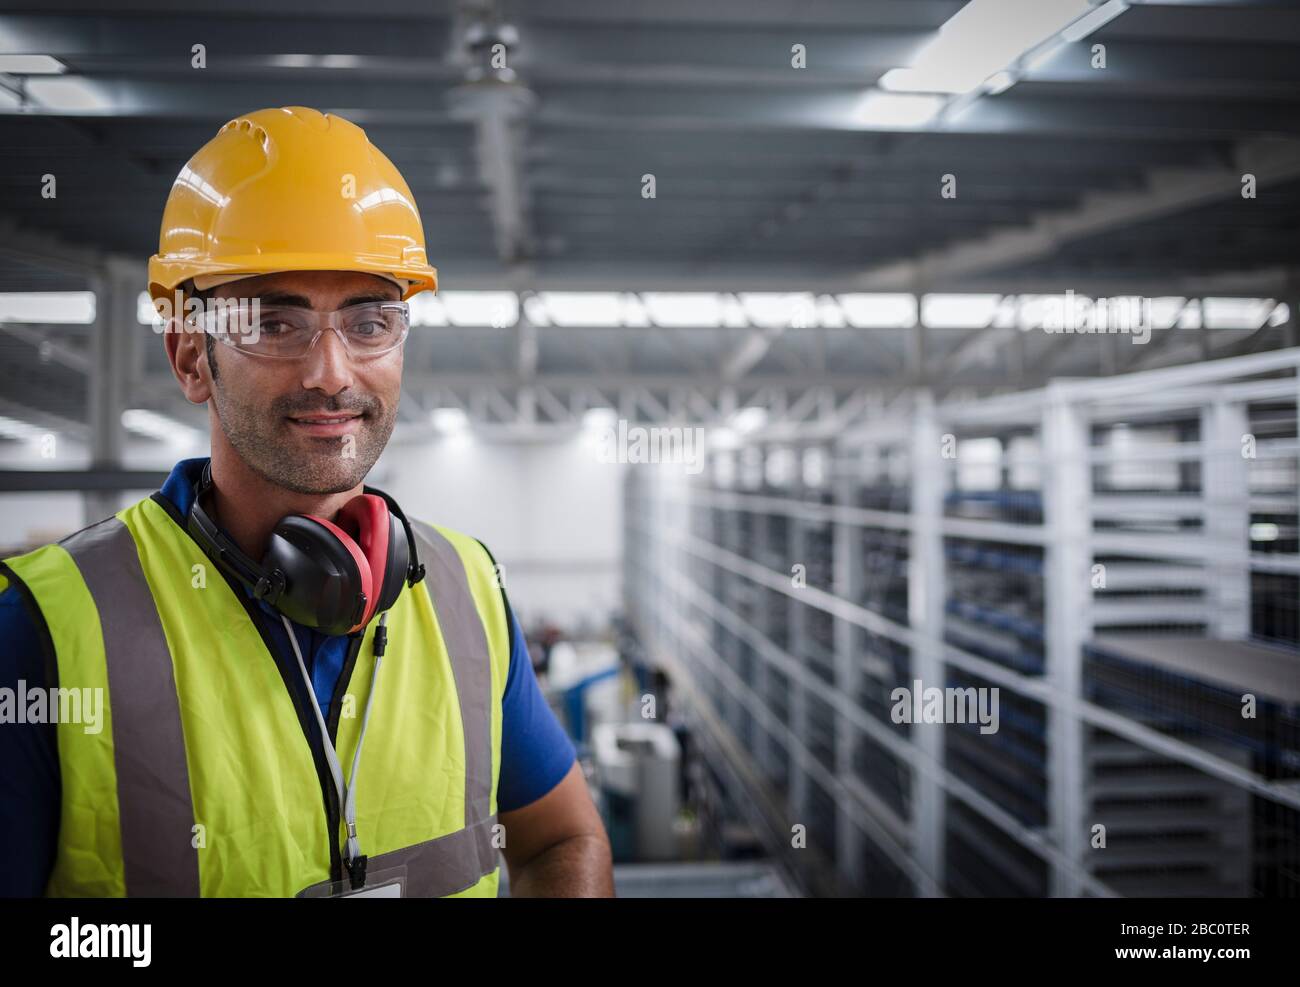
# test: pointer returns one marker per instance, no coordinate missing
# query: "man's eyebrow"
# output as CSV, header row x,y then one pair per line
x,y
284,298
367,297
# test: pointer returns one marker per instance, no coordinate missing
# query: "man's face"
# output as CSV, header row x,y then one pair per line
x,y
271,410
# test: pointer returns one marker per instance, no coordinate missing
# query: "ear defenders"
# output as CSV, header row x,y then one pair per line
x,y
334,576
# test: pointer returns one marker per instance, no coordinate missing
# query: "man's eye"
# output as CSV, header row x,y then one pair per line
x,y
274,327
369,329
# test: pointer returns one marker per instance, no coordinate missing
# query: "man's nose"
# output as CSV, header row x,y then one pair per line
x,y
327,366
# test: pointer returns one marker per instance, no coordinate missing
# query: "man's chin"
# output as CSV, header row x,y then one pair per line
x,y
315,473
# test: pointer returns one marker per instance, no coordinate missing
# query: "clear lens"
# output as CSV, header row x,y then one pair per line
x,y
288,332
278,331
374,328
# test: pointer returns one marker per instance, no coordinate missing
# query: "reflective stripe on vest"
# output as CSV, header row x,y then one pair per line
x,y
153,781
156,798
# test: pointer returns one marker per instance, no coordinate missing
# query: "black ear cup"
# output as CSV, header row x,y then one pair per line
x,y
314,572
324,585
399,560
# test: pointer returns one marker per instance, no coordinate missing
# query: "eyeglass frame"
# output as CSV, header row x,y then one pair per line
x,y
324,322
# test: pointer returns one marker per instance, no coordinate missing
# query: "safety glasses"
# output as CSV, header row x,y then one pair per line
x,y
287,332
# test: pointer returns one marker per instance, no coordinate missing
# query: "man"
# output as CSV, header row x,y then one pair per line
x,y
242,752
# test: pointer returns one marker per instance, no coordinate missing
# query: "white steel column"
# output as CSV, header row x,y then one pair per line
x,y
1225,485
1067,599
925,605
795,611
848,586
112,348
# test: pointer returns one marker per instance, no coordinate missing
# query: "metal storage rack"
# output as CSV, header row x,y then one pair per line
x,y
1001,542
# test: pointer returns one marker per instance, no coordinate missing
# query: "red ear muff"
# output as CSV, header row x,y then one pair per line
x,y
383,539
368,519
331,576
361,560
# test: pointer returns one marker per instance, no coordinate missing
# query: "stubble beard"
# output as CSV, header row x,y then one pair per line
x,y
261,439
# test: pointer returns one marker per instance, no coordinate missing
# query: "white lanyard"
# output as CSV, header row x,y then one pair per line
x,y
347,797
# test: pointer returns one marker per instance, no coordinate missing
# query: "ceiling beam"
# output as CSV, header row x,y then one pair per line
x,y
1168,191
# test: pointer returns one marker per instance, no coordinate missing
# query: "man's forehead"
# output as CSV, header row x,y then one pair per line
x,y
322,287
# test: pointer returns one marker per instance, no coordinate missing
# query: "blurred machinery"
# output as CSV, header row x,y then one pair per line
x,y
637,772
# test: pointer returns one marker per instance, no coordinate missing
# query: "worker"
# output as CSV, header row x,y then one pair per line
x,y
305,692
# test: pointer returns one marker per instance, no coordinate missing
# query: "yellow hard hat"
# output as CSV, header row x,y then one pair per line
x,y
289,189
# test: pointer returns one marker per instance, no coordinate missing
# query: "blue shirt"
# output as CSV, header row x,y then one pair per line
x,y
536,753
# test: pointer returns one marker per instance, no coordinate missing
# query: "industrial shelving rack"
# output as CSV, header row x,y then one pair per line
x,y
1117,556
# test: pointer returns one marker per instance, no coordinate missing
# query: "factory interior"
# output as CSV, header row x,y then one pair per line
x,y
882,413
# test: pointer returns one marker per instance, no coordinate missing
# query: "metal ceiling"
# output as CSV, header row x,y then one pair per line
x,y
1125,179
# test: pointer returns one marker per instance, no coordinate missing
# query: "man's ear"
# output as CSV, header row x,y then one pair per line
x,y
189,360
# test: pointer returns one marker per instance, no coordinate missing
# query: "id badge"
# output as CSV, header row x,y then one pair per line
x,y
387,883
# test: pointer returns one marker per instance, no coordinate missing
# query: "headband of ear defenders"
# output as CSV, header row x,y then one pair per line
x,y
332,576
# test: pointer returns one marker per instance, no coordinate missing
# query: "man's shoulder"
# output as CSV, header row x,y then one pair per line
x,y
9,564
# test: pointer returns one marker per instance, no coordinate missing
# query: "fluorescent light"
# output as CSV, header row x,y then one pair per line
x,y
772,309
733,313
481,308
427,310
1005,316
984,37
536,310
1099,17
830,315
67,94
152,425
942,311
340,61
634,313
684,309
65,307
581,308
12,428
450,420
145,312
1237,313
897,110
1164,311
879,310
31,65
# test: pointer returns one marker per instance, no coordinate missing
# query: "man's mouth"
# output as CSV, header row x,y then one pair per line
x,y
328,423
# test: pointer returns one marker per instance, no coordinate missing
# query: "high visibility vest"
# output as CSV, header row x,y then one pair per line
x,y
202,780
